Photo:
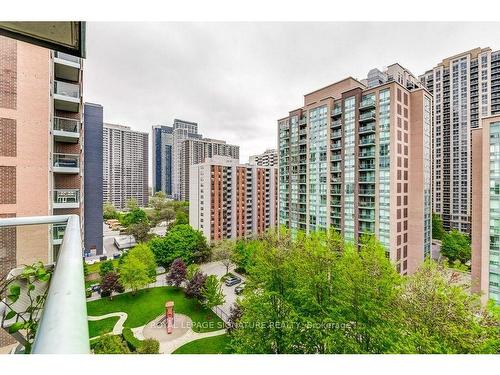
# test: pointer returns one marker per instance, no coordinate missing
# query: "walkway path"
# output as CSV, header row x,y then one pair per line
x,y
118,328
169,343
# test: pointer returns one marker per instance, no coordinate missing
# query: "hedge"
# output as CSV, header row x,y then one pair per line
x,y
133,342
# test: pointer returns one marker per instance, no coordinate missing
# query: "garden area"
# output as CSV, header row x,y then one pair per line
x,y
210,345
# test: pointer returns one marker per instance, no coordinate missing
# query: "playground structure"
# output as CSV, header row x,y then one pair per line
x,y
169,316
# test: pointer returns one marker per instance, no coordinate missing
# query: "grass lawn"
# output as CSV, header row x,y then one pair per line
x,y
100,327
94,268
147,304
209,345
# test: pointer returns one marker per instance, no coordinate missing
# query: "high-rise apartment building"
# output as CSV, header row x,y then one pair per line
x,y
466,88
357,158
230,200
486,209
268,158
194,151
41,144
125,165
93,163
162,143
181,130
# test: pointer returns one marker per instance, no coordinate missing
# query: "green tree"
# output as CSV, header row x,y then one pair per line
x,y
441,317
109,211
143,253
158,201
134,274
243,254
106,267
437,227
191,270
110,344
181,218
212,292
222,251
134,216
140,231
456,246
132,204
182,242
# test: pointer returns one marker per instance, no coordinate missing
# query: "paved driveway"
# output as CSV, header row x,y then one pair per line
x,y
218,269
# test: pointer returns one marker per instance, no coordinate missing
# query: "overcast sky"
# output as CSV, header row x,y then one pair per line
x,y
236,79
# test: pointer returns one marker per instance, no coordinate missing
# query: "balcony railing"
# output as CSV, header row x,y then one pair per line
x,y
368,116
336,111
336,123
66,163
336,133
65,56
367,103
367,128
63,326
66,130
367,141
67,89
66,198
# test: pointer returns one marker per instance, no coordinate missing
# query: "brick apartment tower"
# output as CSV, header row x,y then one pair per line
x,y
466,88
232,200
486,209
356,158
40,148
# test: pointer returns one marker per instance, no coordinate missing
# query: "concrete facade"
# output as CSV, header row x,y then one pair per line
x,y
344,163
466,88
125,165
268,158
232,200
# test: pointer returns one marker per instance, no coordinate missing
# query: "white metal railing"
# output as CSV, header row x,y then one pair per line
x,y
62,328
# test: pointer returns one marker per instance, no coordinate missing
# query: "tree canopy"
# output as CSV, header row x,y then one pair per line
x,y
437,227
456,246
182,242
316,294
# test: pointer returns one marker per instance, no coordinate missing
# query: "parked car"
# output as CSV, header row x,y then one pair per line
x,y
116,255
239,289
96,288
233,280
102,258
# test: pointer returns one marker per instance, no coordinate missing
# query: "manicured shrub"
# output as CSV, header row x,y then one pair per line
x,y
110,344
177,273
149,346
132,342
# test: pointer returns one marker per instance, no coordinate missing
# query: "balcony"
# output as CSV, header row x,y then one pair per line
x,y
367,154
303,120
66,67
62,319
66,96
66,198
336,157
366,192
66,130
367,141
66,163
367,204
367,166
336,124
336,134
336,202
336,145
337,111
370,128
58,234
367,104
368,116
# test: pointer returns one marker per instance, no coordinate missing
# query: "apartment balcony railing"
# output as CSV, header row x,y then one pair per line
x,y
367,204
336,214
366,191
370,154
58,234
363,217
62,327
336,134
66,130
336,202
66,163
367,103
367,141
336,111
366,166
66,96
336,123
368,116
302,121
337,157
66,67
370,128
66,198
367,179
336,145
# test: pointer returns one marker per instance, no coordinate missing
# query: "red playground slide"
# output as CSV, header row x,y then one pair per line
x,y
169,314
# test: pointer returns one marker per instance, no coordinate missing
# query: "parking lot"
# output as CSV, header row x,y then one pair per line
x,y
218,269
